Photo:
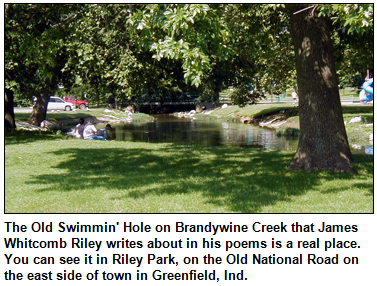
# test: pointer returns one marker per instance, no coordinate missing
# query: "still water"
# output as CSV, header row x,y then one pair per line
x,y
170,129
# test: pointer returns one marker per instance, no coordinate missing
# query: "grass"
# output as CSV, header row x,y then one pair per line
x,y
254,110
264,109
348,93
46,173
358,133
95,112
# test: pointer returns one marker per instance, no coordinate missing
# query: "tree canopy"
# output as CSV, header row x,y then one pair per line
x,y
128,50
131,51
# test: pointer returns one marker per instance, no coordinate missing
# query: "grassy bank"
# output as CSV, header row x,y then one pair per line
x,y
258,110
114,115
358,133
46,173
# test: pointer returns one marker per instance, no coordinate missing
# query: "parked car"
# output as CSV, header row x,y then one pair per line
x,y
77,102
57,103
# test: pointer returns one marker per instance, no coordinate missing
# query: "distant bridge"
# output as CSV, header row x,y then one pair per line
x,y
222,101
170,106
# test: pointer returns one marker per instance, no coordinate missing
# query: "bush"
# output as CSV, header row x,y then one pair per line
x,y
288,132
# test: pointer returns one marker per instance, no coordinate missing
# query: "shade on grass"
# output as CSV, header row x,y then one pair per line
x,y
53,175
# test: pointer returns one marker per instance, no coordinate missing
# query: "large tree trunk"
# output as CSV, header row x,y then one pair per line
x,y
10,122
323,143
39,109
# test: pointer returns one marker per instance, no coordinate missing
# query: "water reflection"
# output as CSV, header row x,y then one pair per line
x,y
169,129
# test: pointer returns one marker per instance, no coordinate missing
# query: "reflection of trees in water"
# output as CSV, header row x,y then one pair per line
x,y
187,131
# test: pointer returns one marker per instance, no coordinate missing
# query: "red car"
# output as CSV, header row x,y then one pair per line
x,y
78,103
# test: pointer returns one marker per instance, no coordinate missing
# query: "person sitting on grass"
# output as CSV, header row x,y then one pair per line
x,y
108,132
90,132
78,133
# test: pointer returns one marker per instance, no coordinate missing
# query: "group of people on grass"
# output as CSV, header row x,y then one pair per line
x,y
366,94
89,131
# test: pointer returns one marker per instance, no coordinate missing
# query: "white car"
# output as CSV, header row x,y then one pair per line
x,y
56,103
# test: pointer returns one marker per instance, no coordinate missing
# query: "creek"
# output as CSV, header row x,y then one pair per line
x,y
170,129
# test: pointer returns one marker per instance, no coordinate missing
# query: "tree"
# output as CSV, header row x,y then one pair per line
x,y
194,34
110,59
126,48
12,68
264,49
10,122
220,45
323,143
45,51
34,50
353,48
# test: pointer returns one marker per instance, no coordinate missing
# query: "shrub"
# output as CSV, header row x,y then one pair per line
x,y
288,132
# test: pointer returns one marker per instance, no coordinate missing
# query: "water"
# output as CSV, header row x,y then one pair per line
x,y
169,129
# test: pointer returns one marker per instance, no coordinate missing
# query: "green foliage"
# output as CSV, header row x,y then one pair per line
x,y
352,39
129,51
288,132
192,33
243,95
356,18
35,37
98,53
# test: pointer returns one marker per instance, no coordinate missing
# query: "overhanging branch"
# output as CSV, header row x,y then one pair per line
x,y
302,10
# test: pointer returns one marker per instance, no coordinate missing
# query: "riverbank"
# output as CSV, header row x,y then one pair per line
x,y
284,119
48,173
56,121
44,169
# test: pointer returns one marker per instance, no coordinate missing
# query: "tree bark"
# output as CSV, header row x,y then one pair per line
x,y
10,122
216,98
323,143
39,112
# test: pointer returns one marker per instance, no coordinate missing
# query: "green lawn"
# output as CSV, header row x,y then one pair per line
x,y
348,94
45,173
262,109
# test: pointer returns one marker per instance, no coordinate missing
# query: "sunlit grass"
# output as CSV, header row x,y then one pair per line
x,y
48,174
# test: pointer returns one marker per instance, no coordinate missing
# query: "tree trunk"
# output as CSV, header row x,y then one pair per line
x,y
216,98
323,143
10,122
39,109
